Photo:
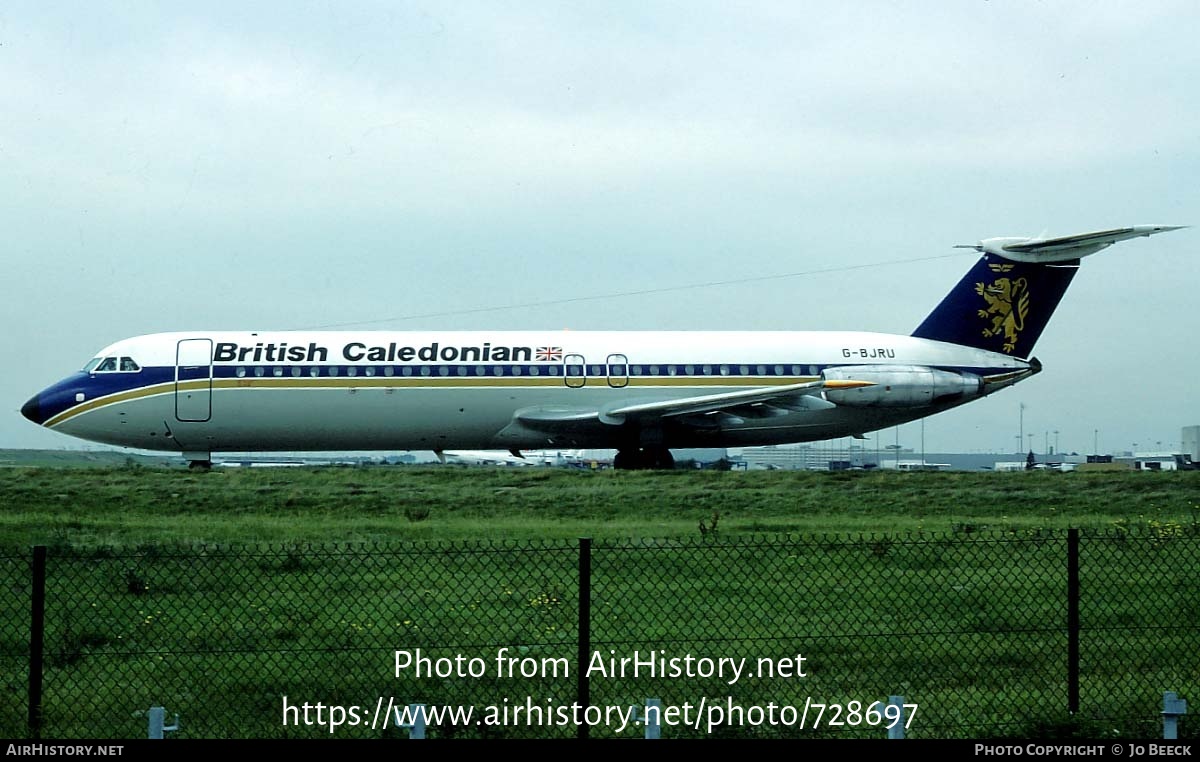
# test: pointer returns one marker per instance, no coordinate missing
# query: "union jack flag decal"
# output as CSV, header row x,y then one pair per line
x,y
549,354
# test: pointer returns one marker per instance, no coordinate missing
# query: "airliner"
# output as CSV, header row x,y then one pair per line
x,y
640,393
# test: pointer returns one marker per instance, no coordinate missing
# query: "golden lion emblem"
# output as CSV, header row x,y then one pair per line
x,y
1007,306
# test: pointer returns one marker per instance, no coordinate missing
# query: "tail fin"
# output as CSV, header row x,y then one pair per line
x,y
1007,298
999,305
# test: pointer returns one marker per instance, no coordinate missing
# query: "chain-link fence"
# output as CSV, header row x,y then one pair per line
x,y
1026,634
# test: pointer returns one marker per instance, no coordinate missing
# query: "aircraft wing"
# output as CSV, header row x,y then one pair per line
x,y
699,410
1099,238
789,397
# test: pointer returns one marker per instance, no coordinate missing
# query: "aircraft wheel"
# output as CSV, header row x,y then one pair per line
x,y
659,458
199,465
625,460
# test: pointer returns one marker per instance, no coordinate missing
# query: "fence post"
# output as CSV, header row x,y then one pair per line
x,y
157,723
652,717
1173,708
416,729
37,638
1073,620
582,689
897,730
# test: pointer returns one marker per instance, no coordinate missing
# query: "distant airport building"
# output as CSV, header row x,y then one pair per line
x,y
1009,465
913,465
822,457
1191,442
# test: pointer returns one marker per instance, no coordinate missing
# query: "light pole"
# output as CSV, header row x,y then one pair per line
x,y
1021,430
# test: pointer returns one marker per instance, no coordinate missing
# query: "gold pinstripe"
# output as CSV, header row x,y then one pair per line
x,y
445,382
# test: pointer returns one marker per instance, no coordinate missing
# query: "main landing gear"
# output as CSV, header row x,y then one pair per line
x,y
658,458
198,460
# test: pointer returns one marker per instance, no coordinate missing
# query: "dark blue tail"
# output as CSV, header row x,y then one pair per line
x,y
1000,305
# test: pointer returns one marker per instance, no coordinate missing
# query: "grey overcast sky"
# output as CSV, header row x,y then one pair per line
x,y
232,165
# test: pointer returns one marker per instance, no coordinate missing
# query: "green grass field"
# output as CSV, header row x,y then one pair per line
x,y
134,506
947,588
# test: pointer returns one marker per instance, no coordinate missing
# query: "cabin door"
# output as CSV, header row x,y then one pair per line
x,y
193,380
574,371
618,371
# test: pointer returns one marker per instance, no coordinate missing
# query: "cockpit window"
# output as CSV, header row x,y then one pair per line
x,y
112,365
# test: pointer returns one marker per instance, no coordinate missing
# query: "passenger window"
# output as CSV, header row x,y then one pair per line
x,y
352,371
277,372
314,371
333,371
259,371
241,372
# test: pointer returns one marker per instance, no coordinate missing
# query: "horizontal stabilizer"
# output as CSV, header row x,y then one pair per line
x,y
1064,248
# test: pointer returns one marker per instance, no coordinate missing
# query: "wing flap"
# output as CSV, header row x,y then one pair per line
x,y
787,396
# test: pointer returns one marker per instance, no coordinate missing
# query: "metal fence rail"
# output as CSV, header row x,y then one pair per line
x,y
1026,634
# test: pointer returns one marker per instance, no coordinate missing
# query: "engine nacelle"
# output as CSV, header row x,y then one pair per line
x,y
900,386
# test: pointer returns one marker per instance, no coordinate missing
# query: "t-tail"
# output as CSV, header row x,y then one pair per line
x,y
1004,302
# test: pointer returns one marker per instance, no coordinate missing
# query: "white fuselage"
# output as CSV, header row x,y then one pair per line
x,y
202,392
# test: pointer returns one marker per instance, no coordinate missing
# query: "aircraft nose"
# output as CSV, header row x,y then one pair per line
x,y
32,410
